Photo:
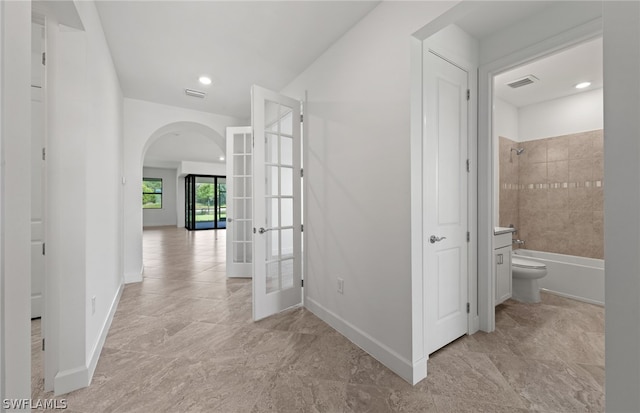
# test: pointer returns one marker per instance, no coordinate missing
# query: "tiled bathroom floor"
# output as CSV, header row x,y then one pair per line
x,y
183,341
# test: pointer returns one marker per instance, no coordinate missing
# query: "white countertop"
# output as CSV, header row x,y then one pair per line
x,y
502,230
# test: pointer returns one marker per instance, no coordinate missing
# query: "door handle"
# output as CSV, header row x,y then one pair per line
x,y
263,230
433,239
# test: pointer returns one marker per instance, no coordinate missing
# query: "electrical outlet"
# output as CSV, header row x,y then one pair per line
x,y
93,304
340,285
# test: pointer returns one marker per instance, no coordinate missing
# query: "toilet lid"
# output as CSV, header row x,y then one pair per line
x,y
525,263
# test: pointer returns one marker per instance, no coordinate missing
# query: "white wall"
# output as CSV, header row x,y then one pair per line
x,y
144,122
570,114
15,269
84,235
167,215
505,118
104,166
357,118
505,123
622,203
202,168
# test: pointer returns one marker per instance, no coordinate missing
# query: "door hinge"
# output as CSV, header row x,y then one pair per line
x,y
468,166
302,228
44,154
468,236
301,118
468,308
468,94
44,58
302,283
301,172
43,344
43,249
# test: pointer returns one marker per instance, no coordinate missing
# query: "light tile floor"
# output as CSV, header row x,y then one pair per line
x,y
183,341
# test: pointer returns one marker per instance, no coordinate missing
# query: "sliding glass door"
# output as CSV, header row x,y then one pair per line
x,y
205,202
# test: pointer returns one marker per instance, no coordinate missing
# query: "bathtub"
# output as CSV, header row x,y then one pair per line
x,y
570,276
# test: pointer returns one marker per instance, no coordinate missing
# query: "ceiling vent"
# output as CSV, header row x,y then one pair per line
x,y
527,80
194,93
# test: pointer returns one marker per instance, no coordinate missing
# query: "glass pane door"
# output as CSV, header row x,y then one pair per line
x,y
205,202
276,202
238,202
221,202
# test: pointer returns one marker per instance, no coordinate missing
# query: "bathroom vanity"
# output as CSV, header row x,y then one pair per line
x,y
502,258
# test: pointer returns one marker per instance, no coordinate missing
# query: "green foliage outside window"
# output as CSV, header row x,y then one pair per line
x,y
151,193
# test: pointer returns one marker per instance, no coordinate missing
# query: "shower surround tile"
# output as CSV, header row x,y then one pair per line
x,y
559,185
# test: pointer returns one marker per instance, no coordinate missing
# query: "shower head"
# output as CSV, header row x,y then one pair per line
x,y
518,150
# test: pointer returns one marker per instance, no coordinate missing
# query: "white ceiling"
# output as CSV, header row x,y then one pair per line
x,y
558,74
161,47
488,20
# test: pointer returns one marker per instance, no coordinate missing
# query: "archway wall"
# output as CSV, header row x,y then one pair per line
x,y
145,122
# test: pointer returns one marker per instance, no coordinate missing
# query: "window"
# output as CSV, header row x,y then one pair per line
x,y
205,202
151,193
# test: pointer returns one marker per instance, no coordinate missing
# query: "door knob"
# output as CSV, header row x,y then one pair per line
x,y
433,239
262,230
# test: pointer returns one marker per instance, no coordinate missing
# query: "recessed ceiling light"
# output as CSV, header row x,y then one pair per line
x,y
222,158
582,85
204,80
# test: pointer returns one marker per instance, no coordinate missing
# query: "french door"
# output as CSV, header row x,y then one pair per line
x,y
277,197
239,202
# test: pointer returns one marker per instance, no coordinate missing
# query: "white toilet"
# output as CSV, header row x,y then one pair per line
x,y
525,273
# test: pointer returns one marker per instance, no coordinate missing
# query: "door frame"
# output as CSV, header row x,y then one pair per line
x,y
464,55
481,151
486,74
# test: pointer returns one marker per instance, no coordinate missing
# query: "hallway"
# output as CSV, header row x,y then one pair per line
x,y
183,341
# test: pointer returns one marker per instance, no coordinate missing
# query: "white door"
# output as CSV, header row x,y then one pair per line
x,y
445,201
37,174
277,232
239,208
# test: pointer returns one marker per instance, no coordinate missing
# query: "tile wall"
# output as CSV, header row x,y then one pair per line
x,y
552,193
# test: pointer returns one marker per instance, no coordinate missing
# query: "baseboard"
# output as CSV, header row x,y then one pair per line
x,y
97,349
419,370
133,277
80,377
574,297
69,380
396,363
474,324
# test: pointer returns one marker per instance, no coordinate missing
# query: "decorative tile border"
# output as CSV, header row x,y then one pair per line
x,y
554,185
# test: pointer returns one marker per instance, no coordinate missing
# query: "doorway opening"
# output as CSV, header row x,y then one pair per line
x,y
549,169
205,202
